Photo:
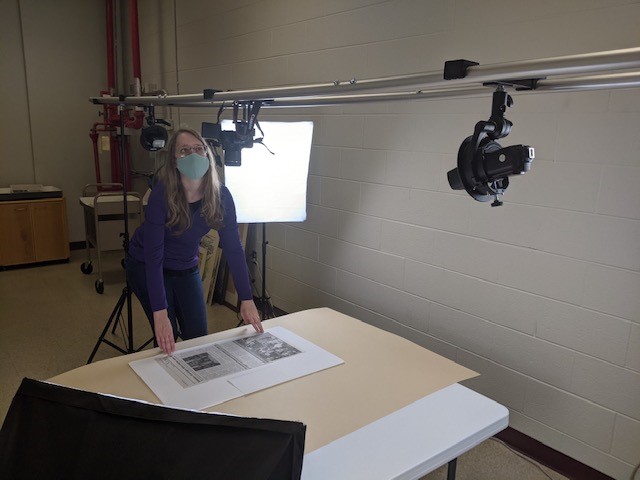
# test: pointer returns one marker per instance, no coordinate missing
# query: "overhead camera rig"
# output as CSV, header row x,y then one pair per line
x,y
483,166
233,141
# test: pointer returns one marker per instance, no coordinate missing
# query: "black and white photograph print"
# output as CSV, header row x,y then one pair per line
x,y
201,361
267,347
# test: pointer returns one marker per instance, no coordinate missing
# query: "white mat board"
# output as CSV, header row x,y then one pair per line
x,y
238,367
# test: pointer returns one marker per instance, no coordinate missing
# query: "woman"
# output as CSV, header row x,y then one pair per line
x,y
162,268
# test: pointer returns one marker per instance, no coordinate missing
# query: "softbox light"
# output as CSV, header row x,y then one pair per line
x,y
270,187
53,432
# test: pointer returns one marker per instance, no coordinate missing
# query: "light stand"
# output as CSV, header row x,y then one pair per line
x,y
266,187
264,300
125,296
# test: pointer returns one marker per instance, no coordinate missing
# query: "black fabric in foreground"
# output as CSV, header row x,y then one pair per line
x,y
57,432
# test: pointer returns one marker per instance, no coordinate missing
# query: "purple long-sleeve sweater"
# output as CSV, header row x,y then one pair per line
x,y
155,245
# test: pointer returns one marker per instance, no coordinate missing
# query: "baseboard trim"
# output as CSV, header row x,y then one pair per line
x,y
549,457
33,264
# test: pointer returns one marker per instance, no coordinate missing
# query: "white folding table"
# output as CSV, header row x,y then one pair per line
x,y
412,441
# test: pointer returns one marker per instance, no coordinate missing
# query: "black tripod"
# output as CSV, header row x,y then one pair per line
x,y
125,296
264,301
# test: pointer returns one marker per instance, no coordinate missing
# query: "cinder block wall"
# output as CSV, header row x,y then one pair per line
x,y
542,295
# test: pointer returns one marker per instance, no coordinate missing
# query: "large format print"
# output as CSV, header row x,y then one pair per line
x,y
266,348
206,375
225,358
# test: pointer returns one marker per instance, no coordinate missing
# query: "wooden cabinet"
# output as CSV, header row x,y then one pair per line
x,y
33,231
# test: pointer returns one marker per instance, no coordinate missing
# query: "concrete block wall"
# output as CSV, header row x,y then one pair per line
x,y
541,296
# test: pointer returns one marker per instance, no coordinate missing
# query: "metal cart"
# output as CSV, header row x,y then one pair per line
x,y
104,221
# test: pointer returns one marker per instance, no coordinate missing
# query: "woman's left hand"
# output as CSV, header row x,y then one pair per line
x,y
250,315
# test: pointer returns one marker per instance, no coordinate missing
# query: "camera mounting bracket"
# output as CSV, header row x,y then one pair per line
x,y
483,165
521,84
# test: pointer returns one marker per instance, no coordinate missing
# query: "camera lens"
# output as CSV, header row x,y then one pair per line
x,y
232,158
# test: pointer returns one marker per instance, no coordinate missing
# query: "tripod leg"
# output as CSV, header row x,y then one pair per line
x,y
263,300
148,342
124,296
114,314
117,319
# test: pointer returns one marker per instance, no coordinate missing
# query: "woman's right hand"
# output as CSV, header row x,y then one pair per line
x,y
164,331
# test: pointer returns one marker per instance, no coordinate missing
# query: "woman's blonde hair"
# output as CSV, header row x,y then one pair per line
x,y
179,214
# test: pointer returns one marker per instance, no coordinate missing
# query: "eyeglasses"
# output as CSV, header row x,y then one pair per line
x,y
186,150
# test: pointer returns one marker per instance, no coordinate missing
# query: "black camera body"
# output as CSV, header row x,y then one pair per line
x,y
231,141
484,166
483,170
513,160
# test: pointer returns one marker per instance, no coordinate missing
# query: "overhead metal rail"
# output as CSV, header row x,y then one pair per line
x,y
577,72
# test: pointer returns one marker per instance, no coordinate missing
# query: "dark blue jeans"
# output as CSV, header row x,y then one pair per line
x,y
185,299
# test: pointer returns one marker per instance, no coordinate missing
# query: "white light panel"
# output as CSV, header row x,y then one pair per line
x,y
272,188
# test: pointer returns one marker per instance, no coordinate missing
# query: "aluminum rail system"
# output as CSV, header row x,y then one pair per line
x,y
429,85
596,82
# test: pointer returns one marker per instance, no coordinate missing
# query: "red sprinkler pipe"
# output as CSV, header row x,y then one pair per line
x,y
137,121
110,112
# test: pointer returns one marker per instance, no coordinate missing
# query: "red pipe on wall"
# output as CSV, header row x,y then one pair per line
x,y
110,112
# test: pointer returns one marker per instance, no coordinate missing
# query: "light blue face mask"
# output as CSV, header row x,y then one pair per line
x,y
194,166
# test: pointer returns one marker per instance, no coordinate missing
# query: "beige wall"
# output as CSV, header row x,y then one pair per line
x,y
57,61
16,165
540,295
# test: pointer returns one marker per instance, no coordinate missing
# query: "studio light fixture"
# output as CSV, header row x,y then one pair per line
x,y
153,137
